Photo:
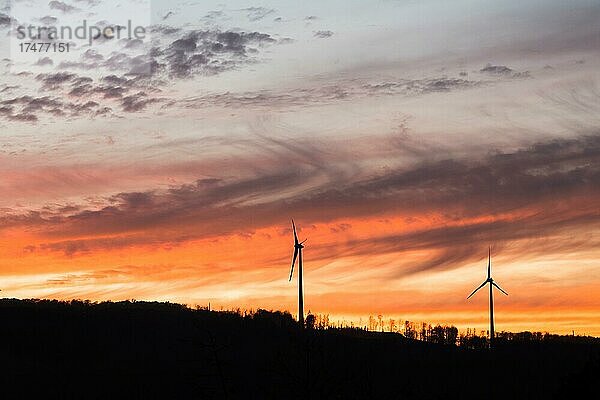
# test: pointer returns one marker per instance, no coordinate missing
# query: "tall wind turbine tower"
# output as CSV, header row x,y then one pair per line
x,y
491,282
298,246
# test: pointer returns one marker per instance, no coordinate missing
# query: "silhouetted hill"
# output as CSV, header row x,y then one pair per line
x,y
75,350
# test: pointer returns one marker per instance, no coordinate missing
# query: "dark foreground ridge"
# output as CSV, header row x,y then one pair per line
x,y
76,350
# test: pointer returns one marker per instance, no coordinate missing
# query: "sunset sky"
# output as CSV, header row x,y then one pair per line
x,y
404,137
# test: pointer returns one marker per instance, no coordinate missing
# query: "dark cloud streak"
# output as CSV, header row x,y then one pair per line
x,y
541,191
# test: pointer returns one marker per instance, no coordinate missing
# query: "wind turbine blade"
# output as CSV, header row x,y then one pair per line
x,y
295,235
293,262
499,288
302,242
475,291
489,262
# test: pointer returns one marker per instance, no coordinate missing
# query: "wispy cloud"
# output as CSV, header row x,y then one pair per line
x,y
535,192
323,34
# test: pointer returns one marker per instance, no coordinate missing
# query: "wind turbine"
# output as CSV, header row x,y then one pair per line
x,y
298,246
491,283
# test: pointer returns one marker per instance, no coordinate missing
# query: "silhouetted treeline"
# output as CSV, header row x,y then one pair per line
x,y
448,335
74,350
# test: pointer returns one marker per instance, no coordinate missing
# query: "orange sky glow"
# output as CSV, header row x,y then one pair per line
x,y
402,145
